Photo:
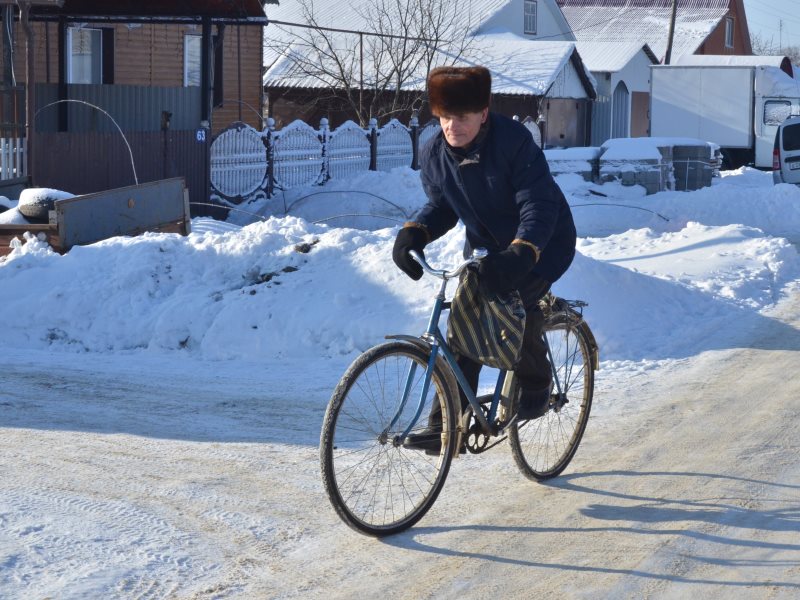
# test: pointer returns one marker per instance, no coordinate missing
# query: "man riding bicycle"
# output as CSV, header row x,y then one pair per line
x,y
485,170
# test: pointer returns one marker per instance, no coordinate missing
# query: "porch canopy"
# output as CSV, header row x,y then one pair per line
x,y
229,12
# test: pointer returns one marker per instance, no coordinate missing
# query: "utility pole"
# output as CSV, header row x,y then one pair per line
x,y
671,36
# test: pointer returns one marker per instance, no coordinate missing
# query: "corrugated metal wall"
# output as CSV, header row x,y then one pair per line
x,y
81,163
133,107
601,120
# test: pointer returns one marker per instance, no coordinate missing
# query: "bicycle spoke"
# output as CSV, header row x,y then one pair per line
x,y
375,486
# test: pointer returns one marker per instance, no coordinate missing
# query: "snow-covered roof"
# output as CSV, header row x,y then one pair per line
x,y
636,20
519,66
529,67
610,57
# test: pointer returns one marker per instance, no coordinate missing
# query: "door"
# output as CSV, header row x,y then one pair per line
x,y
620,111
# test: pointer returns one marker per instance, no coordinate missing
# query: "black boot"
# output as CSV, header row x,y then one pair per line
x,y
533,403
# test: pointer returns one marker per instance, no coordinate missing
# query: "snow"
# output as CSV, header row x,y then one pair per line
x,y
646,148
285,303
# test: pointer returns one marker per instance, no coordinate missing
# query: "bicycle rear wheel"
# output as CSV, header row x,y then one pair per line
x,y
375,484
543,447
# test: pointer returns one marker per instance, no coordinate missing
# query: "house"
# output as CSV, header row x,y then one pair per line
x,y
545,80
701,26
622,72
138,68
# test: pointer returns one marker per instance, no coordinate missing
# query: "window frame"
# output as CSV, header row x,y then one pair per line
x,y
69,55
530,18
729,27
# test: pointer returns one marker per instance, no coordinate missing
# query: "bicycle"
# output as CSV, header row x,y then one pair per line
x,y
377,485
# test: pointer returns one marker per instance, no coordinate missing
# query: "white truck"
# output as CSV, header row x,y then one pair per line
x,y
738,108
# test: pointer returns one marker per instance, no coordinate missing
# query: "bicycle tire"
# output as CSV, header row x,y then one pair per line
x,y
543,447
376,486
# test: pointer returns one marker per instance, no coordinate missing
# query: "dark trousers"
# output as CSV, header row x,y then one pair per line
x,y
533,371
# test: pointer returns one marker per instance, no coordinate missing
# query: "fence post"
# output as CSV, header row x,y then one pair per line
x,y
270,156
373,144
324,136
414,126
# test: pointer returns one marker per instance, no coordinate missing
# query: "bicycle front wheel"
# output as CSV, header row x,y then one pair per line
x,y
375,484
543,447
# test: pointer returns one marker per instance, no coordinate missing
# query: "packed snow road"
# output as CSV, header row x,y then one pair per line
x,y
150,478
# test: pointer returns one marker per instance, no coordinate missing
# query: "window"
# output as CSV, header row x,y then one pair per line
x,y
191,60
90,55
193,64
729,32
791,137
776,111
85,56
530,17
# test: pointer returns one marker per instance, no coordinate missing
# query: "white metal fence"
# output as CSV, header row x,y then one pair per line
x,y
13,158
247,164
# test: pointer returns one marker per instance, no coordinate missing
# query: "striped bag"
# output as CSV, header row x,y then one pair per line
x,y
487,329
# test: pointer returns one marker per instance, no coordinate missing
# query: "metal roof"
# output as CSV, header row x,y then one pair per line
x,y
227,9
645,21
610,57
518,65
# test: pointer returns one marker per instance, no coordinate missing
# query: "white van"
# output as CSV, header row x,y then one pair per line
x,y
786,152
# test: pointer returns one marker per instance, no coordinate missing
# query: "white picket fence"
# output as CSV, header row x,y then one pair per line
x,y
13,158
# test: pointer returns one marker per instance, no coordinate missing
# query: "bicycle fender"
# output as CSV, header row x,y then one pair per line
x,y
572,317
441,364
594,349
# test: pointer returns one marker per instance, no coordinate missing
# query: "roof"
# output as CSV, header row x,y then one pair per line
x,y
228,9
645,21
529,67
780,61
610,57
519,66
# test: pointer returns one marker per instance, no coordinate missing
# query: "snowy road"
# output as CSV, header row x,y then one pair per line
x,y
140,478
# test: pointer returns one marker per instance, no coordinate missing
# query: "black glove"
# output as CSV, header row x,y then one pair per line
x,y
502,272
408,239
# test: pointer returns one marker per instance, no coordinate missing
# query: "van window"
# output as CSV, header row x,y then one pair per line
x,y
776,111
791,137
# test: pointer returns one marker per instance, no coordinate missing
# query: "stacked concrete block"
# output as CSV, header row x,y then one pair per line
x,y
653,175
580,161
693,167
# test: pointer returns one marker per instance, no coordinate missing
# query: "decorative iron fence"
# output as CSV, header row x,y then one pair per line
x,y
248,165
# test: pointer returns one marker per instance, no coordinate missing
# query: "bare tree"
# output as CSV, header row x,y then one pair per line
x,y
764,46
379,72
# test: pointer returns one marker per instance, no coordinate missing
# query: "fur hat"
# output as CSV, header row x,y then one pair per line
x,y
457,90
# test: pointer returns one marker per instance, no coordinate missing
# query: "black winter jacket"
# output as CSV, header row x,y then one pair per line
x,y
501,190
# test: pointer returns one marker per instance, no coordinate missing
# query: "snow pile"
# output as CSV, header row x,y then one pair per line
x,y
286,287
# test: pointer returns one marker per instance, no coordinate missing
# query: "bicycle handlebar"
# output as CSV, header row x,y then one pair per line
x,y
477,255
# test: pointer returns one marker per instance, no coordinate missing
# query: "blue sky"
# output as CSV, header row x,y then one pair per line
x,y
764,17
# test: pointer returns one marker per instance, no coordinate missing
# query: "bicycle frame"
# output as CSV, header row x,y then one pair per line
x,y
433,336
